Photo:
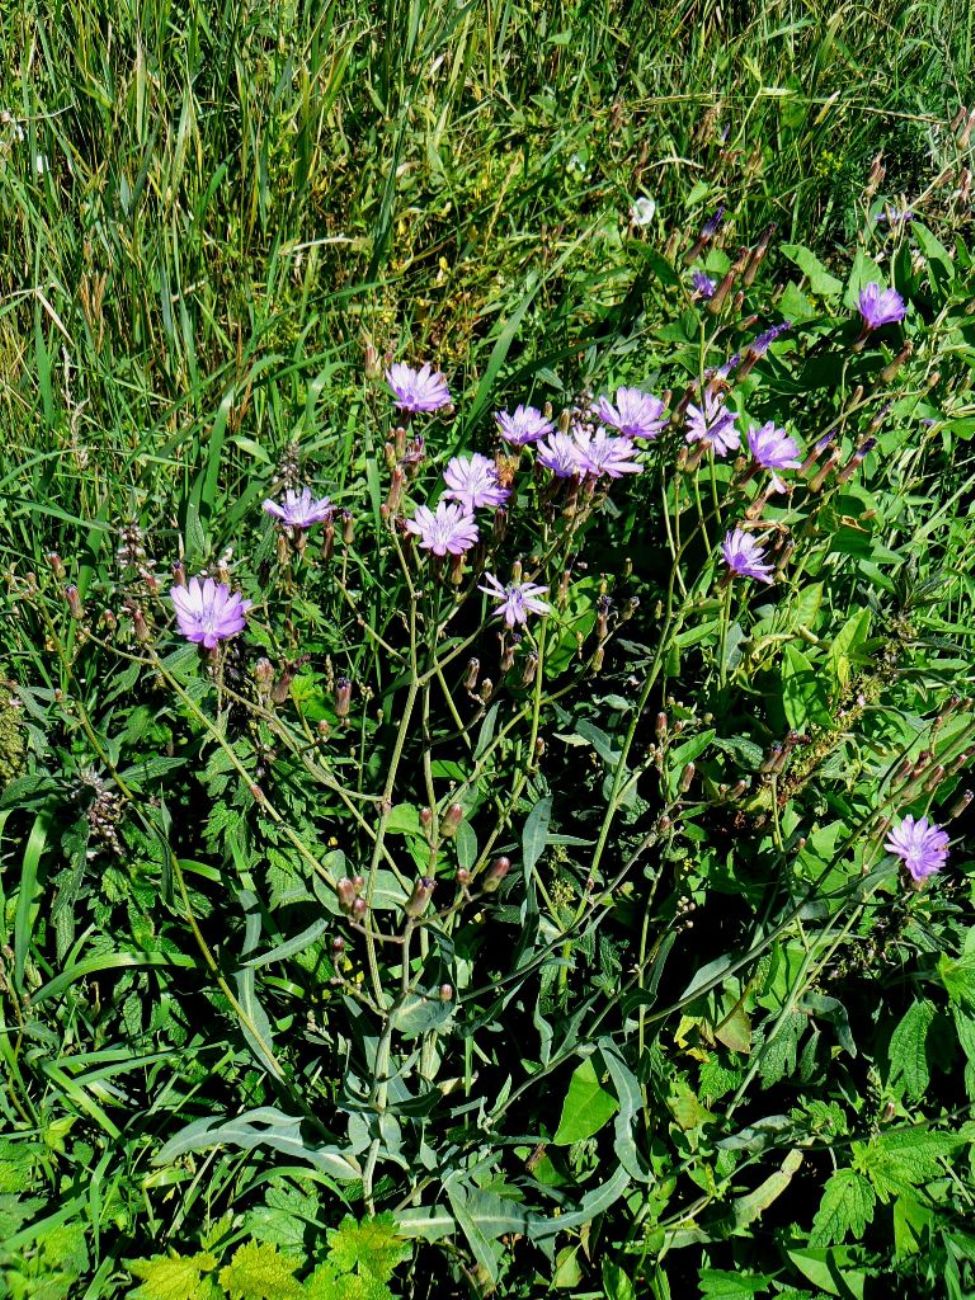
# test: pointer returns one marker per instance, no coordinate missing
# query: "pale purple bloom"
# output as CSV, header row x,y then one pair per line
x,y
636,414
714,425
515,601
451,529
560,454
417,390
713,223
599,453
642,211
299,509
727,369
208,612
473,481
894,217
744,557
527,424
881,306
703,285
761,343
921,845
773,449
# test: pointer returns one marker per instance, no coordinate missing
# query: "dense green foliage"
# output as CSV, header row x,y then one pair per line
x,y
703,1036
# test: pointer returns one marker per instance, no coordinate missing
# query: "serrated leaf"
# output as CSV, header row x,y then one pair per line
x,y
717,1284
847,1206
326,1284
908,1049
258,1271
899,1160
780,1053
173,1277
373,1247
587,1106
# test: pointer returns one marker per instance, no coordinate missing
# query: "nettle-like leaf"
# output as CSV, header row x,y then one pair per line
x,y
372,1247
259,1271
174,1277
908,1050
847,1207
899,1160
328,1283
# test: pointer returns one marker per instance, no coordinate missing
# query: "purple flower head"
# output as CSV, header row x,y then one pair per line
x,y
761,343
208,611
703,285
880,306
894,217
744,557
417,390
299,509
515,601
713,223
473,481
636,414
715,425
921,845
730,366
451,529
527,424
599,453
560,454
772,447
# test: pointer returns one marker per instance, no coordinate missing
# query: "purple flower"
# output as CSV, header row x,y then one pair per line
x,y
515,601
299,510
773,449
599,453
527,424
893,217
703,285
451,529
561,455
880,306
713,223
417,390
473,481
922,846
744,557
208,612
636,414
714,425
761,343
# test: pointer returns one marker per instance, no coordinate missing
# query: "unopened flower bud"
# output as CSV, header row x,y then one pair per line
x,y
463,877
494,875
529,669
599,655
417,902
346,892
342,697
426,818
338,945
451,819
934,779
661,728
348,527
395,495
371,365
139,626
687,778
328,541
264,676
109,621
358,883
470,676
74,602
281,689
446,992
284,550
359,909
57,565
486,691
960,804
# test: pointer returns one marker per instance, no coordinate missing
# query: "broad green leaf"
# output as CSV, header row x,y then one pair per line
x,y
820,280
173,1277
587,1106
717,1284
908,1050
373,1246
259,1271
534,836
803,695
850,639
847,1206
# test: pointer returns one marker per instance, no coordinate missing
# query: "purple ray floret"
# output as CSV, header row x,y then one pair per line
x,y
703,285
208,611
714,424
418,390
524,425
772,447
744,557
515,601
451,529
636,414
560,454
601,454
473,481
881,306
299,510
761,343
921,845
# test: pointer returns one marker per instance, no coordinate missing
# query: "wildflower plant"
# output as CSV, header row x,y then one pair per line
x,y
518,829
